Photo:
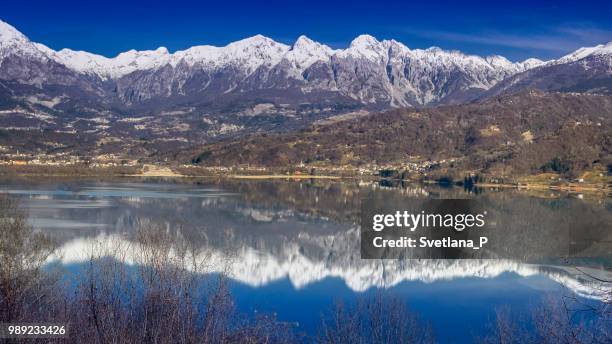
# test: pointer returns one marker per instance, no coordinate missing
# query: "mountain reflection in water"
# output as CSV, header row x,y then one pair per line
x,y
305,233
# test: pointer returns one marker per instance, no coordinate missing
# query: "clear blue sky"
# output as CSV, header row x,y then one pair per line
x,y
515,29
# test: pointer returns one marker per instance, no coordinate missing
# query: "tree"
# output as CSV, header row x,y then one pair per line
x,y
23,253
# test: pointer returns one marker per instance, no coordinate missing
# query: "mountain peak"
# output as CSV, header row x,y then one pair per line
x,y
9,33
364,41
311,47
532,63
257,40
366,46
304,52
399,46
162,50
434,49
304,42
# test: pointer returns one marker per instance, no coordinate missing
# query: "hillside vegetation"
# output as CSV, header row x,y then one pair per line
x,y
512,135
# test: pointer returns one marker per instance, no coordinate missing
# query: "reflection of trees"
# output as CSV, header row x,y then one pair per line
x,y
536,227
312,202
338,201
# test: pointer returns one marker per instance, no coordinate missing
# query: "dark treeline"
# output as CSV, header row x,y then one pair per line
x,y
158,294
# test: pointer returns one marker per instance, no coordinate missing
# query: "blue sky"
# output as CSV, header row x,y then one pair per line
x,y
515,29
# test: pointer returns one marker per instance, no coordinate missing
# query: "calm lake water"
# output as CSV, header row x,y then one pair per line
x,y
293,247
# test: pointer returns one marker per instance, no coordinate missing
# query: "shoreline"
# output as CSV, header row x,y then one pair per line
x,y
154,171
285,176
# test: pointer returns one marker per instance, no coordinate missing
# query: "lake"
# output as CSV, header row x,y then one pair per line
x,y
292,247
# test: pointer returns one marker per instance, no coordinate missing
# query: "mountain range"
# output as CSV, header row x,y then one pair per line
x,y
170,100
257,268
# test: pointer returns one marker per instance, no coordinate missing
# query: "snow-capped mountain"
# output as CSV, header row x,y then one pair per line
x,y
586,70
369,71
256,84
256,267
599,50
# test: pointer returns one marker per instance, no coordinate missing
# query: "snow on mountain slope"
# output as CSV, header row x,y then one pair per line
x,y
532,63
586,70
602,49
250,53
257,49
383,73
304,52
123,64
14,42
8,32
365,46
